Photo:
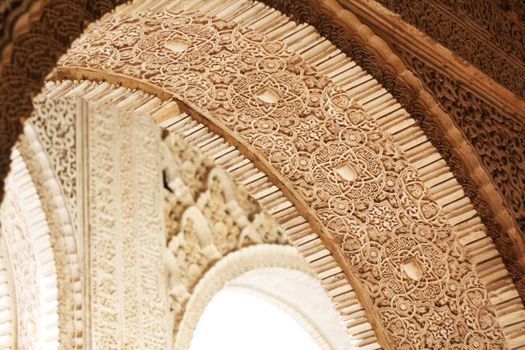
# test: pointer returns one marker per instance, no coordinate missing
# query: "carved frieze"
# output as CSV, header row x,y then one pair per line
x,y
125,280
498,137
505,64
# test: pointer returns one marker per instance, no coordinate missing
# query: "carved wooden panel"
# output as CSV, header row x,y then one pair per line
x,y
352,179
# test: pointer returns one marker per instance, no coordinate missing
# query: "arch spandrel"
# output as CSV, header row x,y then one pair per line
x,y
374,222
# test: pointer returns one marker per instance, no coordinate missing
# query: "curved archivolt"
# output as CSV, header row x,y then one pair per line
x,y
327,151
51,163
30,284
279,274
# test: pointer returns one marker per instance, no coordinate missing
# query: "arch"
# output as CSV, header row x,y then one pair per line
x,y
34,33
27,252
196,99
281,262
268,93
48,170
227,211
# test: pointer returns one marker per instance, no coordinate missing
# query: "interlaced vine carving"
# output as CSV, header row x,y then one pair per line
x,y
355,181
501,65
55,122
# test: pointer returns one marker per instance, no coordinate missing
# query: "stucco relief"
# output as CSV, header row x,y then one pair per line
x,y
62,236
23,263
207,217
125,236
26,238
503,155
354,181
348,36
54,121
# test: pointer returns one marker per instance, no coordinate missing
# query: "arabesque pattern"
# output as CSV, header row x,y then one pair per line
x,y
352,178
207,217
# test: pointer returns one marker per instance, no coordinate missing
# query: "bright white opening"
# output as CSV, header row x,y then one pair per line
x,y
238,321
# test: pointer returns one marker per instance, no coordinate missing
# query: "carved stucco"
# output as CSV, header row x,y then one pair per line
x,y
23,263
223,72
499,138
278,274
8,322
61,227
30,257
380,65
498,51
494,128
501,20
22,104
31,54
124,232
55,124
207,217
22,77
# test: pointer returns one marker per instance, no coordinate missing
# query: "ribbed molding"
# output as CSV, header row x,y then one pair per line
x,y
8,323
68,245
288,289
19,181
229,272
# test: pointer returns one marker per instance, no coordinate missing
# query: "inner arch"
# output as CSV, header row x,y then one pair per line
x,y
235,320
279,275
